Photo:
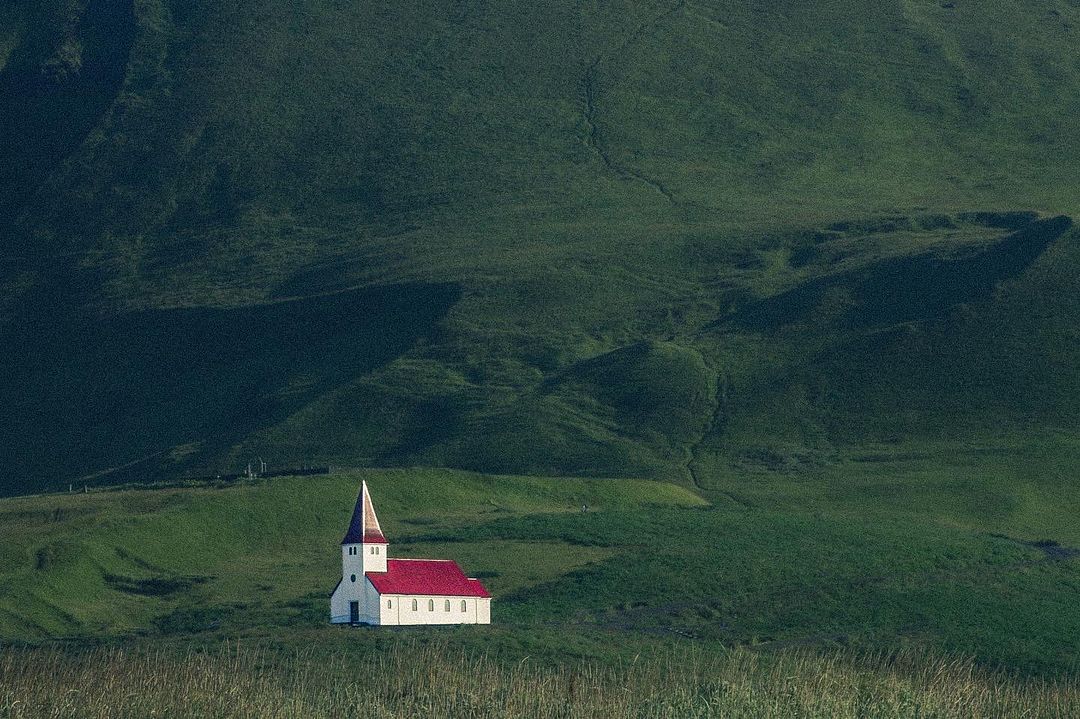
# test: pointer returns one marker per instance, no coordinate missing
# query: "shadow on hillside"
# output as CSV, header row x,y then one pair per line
x,y
85,394
907,289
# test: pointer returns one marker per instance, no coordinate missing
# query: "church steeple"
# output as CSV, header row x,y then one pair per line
x,y
364,527
364,547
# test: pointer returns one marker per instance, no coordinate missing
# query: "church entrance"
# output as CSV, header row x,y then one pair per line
x,y
354,612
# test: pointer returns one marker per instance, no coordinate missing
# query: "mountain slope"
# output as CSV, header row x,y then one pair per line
x,y
544,191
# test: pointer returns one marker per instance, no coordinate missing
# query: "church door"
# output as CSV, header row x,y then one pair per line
x,y
354,612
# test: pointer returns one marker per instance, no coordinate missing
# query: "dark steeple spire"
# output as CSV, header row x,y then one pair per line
x,y
364,527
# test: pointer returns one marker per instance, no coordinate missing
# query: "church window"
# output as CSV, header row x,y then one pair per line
x,y
447,607
431,605
463,605
376,550
414,605
352,577
389,604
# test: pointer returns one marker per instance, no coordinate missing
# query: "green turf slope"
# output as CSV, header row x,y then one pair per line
x,y
903,549
619,239
266,554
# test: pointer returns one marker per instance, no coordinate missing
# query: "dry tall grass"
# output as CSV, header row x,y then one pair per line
x,y
441,682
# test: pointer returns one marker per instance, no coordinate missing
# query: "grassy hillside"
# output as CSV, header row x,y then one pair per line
x,y
258,555
632,239
966,561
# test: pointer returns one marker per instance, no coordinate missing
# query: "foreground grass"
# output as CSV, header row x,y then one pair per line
x,y
433,681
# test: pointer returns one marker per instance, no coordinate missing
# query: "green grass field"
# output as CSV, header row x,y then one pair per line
x,y
976,569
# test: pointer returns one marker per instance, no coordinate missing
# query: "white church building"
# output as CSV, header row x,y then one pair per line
x,y
375,589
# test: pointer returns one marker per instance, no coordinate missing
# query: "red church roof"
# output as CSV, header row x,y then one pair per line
x,y
364,527
438,577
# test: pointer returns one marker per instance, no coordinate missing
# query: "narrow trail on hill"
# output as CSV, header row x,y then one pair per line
x,y
593,137
692,449
718,400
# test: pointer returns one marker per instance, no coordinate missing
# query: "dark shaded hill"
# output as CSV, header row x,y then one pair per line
x,y
632,238
174,389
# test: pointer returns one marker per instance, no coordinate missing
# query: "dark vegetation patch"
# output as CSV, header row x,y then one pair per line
x,y
1052,550
162,586
781,458
46,557
194,619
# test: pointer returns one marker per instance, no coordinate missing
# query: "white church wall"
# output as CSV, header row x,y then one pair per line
x,y
369,604
431,610
374,557
351,589
483,610
339,605
390,609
